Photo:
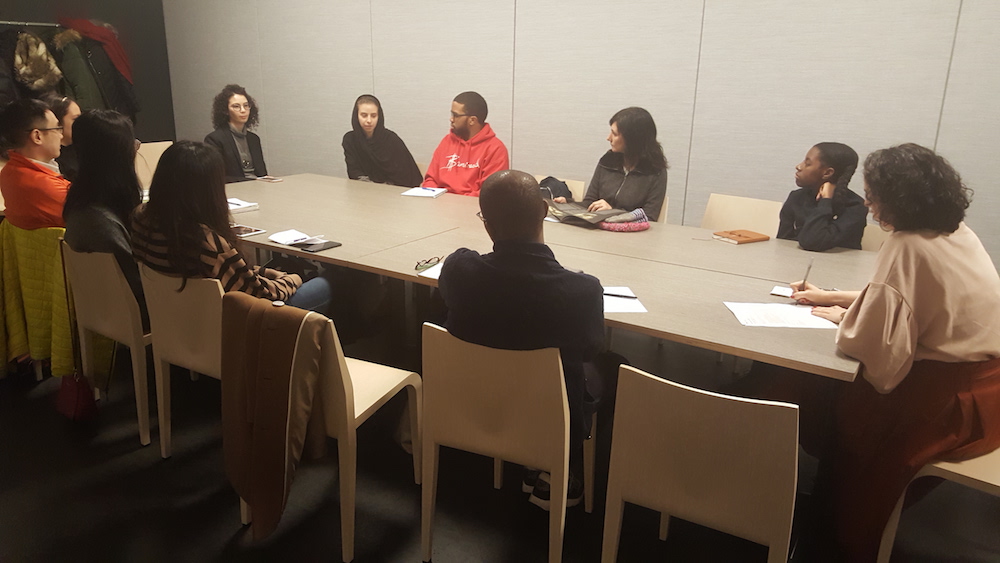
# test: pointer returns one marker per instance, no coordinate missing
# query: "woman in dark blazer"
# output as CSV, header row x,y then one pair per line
x,y
234,113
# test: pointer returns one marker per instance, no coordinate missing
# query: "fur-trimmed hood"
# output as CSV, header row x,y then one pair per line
x,y
33,64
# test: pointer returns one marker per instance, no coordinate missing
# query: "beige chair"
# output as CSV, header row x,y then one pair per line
x,y
729,212
351,391
146,159
503,404
981,473
105,305
723,462
187,332
874,237
576,187
422,166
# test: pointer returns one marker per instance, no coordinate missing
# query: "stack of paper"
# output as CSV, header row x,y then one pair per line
x,y
621,300
424,192
239,206
293,237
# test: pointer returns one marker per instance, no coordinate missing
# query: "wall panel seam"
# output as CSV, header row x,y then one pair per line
x,y
694,107
947,75
513,84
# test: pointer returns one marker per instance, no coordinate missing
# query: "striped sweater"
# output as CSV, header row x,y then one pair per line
x,y
216,259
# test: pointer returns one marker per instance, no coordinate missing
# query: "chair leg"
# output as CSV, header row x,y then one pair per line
x,y
612,525
428,495
589,459
497,473
140,383
38,369
348,451
557,510
413,396
162,371
664,525
246,517
889,533
87,359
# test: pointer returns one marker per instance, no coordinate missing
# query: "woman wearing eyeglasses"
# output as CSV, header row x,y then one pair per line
x,y
234,113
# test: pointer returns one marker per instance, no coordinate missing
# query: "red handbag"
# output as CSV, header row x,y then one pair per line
x,y
75,399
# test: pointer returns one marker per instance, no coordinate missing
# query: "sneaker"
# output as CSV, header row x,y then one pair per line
x,y
541,494
530,479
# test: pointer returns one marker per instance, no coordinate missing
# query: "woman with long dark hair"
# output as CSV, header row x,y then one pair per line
x,y
105,191
234,114
824,213
374,153
184,230
632,175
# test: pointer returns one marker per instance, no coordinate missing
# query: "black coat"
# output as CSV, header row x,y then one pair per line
x,y
824,224
223,140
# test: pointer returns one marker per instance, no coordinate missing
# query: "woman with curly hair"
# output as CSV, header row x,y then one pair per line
x,y
632,175
234,114
927,332
824,213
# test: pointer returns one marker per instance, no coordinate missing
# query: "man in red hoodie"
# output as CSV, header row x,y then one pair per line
x,y
470,152
33,189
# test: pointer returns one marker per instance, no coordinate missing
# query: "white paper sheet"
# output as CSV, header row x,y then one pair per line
x,y
291,236
777,315
782,291
433,272
627,303
424,192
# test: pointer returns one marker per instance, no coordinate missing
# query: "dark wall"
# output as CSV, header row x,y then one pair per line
x,y
141,33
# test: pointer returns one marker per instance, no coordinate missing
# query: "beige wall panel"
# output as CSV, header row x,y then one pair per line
x,y
777,77
970,125
210,44
577,64
316,59
425,53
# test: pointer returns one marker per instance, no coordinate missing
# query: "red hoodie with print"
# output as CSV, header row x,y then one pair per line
x,y
461,166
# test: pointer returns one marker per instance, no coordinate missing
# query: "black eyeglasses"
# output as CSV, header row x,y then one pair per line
x,y
457,115
44,129
429,263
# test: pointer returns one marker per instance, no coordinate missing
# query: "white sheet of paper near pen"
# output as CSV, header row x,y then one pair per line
x,y
291,236
777,315
782,291
433,272
613,304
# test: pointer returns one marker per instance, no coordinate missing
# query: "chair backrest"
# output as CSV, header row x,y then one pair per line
x,y
508,404
728,212
146,159
186,325
576,187
874,237
720,461
422,166
102,297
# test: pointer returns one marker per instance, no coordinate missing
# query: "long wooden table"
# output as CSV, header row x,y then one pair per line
x,y
680,274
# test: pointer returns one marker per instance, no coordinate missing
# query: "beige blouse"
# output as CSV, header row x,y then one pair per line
x,y
933,297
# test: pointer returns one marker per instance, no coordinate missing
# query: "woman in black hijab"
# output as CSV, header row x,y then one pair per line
x,y
374,153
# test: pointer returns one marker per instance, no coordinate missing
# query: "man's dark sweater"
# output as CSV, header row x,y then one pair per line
x,y
823,224
519,298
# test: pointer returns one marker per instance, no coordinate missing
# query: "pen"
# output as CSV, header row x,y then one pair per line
x,y
620,295
802,286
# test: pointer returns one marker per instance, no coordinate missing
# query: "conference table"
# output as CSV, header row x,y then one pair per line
x,y
680,274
